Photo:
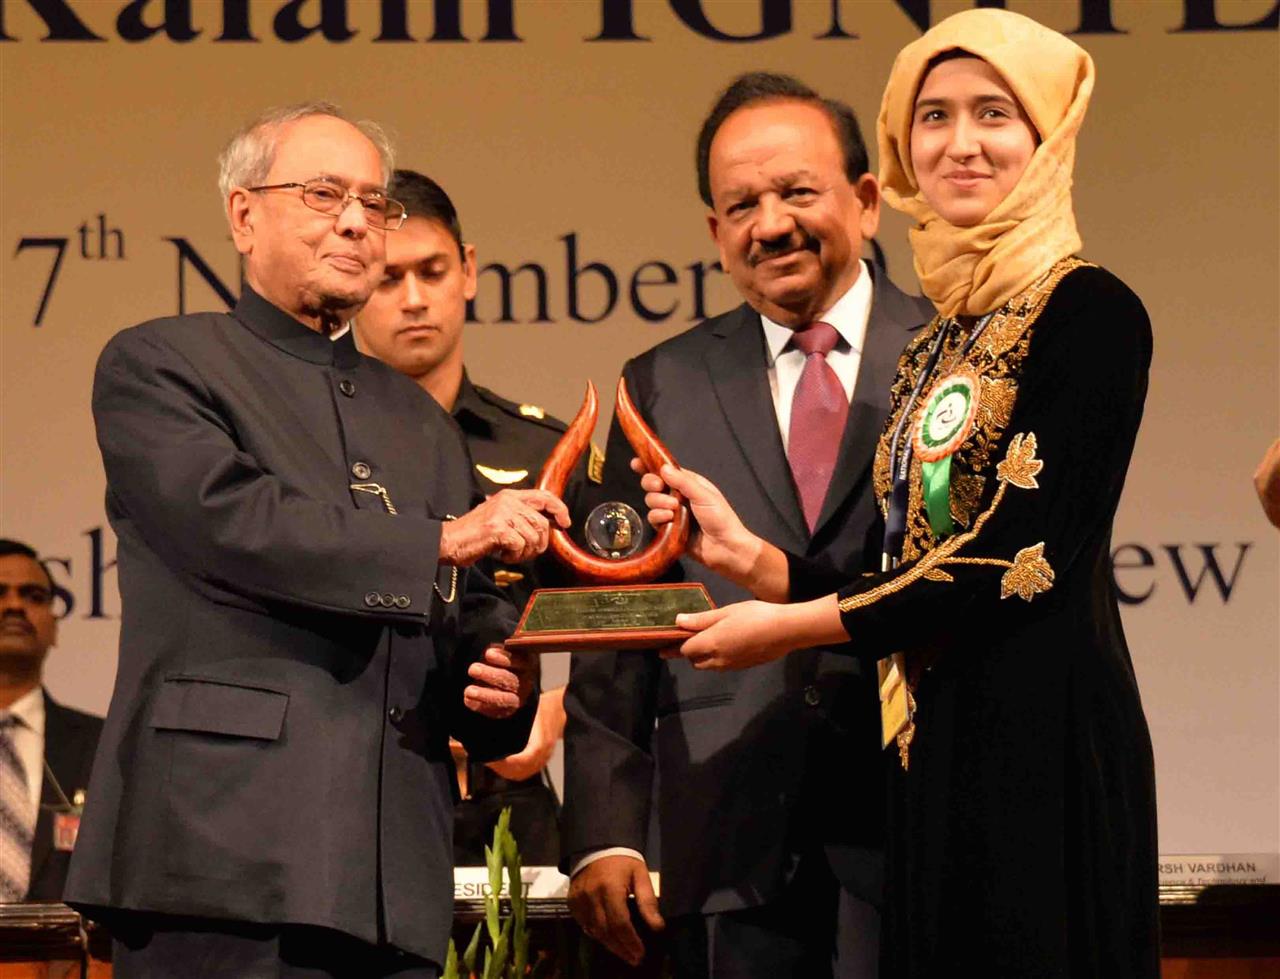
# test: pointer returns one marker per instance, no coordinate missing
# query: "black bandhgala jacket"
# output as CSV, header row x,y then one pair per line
x,y
277,744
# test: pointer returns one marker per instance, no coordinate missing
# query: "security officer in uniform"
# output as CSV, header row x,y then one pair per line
x,y
414,322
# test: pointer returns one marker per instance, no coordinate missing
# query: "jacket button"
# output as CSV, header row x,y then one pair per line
x,y
348,388
396,713
372,599
388,600
402,601
812,696
361,470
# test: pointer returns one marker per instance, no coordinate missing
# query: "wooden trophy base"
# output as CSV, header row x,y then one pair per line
x,y
607,617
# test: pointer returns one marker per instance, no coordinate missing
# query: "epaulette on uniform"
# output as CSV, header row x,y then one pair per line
x,y
595,465
525,412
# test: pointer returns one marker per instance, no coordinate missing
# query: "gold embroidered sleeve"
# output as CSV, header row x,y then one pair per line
x,y
1027,574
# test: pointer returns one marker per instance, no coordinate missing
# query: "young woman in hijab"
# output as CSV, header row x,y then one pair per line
x,y
1023,810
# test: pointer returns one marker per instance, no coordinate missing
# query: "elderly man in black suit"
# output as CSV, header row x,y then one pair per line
x,y
301,630
46,749
768,782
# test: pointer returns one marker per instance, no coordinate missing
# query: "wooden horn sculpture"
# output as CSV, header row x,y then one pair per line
x,y
665,548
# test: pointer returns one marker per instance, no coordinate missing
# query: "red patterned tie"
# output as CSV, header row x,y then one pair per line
x,y
818,414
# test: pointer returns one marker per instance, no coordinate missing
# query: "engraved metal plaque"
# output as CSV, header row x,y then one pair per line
x,y
631,617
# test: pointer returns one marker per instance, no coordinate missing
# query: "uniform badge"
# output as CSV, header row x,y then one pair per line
x,y
946,419
503,477
533,411
505,579
595,465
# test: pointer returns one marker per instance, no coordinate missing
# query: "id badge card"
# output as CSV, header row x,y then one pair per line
x,y
66,827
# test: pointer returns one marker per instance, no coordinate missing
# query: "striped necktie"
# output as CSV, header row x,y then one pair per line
x,y
17,817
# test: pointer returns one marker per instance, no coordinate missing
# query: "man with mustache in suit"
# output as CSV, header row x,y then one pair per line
x,y
767,784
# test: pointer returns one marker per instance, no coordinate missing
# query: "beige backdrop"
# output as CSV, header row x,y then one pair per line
x,y
554,135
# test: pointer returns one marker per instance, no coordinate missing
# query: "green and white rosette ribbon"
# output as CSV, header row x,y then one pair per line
x,y
944,422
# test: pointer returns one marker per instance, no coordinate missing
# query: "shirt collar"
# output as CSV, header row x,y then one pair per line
x,y
29,710
469,409
848,315
285,333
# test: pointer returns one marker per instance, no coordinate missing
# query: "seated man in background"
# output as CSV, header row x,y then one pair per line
x,y
46,750
414,321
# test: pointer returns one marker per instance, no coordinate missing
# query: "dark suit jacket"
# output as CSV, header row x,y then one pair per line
x,y
756,765
277,744
70,739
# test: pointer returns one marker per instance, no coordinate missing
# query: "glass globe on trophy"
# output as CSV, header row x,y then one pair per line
x,y
618,606
614,530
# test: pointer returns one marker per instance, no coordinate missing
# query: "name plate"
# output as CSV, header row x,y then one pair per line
x,y
608,617
540,883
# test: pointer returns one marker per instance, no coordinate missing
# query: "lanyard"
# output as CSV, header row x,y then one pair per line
x,y
900,454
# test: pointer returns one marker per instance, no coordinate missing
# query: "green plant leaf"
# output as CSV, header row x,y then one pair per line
x,y
519,950
515,878
493,860
501,949
491,919
451,962
503,829
473,948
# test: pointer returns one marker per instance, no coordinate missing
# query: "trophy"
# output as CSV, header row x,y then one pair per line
x,y
617,607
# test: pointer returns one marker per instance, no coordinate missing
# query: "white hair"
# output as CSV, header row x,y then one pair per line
x,y
247,158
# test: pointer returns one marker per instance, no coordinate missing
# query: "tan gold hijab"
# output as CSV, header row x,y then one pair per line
x,y
970,271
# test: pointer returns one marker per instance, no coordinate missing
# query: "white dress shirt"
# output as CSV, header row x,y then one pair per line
x,y
28,739
849,316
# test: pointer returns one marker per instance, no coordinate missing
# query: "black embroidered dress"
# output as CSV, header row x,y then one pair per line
x,y
1023,839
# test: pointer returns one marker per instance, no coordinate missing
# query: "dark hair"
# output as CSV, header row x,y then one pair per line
x,y
951,54
422,197
763,86
10,547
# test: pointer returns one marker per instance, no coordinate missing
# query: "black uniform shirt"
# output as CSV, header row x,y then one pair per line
x,y
509,443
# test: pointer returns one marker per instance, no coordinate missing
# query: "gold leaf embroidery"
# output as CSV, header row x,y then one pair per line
x,y
1030,575
1028,570
904,739
998,359
1001,334
1020,466
995,406
966,492
937,574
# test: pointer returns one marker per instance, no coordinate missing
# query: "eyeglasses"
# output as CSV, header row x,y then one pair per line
x,y
329,198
